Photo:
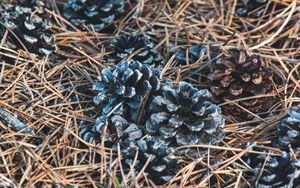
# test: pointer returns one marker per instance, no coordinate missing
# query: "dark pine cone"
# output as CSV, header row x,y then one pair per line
x,y
239,76
289,130
194,53
118,131
125,88
129,137
245,7
162,165
30,23
95,14
88,134
185,116
275,171
137,43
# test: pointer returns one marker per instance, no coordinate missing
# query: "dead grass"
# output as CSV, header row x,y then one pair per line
x,y
55,98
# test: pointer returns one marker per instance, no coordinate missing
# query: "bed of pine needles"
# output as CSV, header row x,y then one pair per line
x,y
54,98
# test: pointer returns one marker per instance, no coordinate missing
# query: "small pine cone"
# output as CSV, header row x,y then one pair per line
x,y
118,130
239,76
245,7
191,54
125,88
30,23
137,43
274,171
162,165
289,129
95,14
185,116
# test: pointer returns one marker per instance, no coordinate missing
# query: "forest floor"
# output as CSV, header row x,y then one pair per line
x,y
53,98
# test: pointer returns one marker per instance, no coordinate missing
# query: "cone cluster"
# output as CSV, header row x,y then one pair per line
x,y
172,115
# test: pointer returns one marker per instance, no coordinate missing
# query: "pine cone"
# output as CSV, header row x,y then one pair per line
x,y
30,23
194,53
239,76
245,7
137,43
275,171
289,130
162,165
185,116
129,137
118,131
126,87
88,135
95,14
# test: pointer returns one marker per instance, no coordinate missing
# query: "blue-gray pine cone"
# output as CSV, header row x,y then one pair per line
x,y
289,129
138,44
194,53
118,130
129,137
162,165
245,7
95,14
185,115
30,23
274,171
88,135
126,87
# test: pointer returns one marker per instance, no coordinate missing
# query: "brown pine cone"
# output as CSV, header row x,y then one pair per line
x,y
237,76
